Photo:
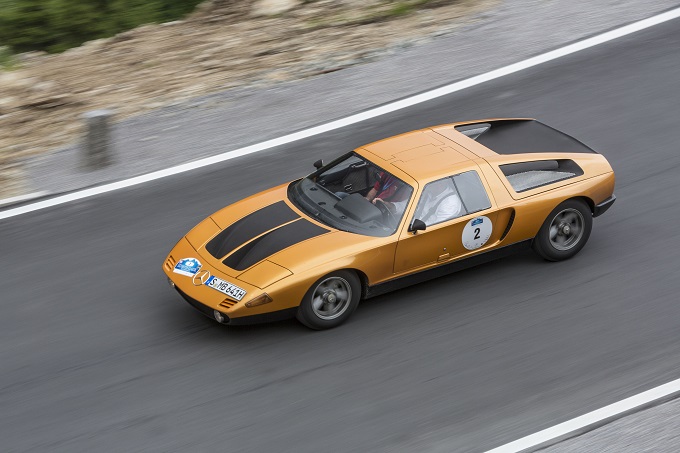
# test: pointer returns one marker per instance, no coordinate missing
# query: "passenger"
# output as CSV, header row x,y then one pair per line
x,y
439,202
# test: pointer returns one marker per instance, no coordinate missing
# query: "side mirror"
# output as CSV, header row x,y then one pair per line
x,y
318,164
417,225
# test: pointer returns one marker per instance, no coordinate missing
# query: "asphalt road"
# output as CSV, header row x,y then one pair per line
x,y
98,354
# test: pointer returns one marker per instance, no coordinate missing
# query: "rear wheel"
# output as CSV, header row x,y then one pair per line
x,y
330,301
565,231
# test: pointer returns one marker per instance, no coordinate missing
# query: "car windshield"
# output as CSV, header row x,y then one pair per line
x,y
353,194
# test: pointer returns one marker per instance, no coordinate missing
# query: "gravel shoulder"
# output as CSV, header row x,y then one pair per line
x,y
208,125
653,430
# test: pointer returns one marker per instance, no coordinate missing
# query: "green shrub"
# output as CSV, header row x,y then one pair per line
x,y
7,60
56,25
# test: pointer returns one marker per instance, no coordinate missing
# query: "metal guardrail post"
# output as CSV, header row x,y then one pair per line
x,y
96,151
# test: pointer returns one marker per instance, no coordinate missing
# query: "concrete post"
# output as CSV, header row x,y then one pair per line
x,y
96,150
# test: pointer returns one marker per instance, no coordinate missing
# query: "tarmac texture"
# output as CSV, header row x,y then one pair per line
x,y
99,354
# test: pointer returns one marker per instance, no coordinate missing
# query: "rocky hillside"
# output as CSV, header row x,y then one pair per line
x,y
224,44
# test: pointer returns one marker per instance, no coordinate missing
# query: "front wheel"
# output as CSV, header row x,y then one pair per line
x,y
330,301
565,231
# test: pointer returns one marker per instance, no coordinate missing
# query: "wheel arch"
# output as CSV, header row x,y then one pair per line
x,y
363,279
586,200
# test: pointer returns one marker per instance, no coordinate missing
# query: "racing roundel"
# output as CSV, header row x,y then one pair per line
x,y
477,232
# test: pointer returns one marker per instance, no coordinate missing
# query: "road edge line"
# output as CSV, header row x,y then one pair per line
x,y
592,420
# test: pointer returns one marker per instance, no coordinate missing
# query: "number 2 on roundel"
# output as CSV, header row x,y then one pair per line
x,y
476,232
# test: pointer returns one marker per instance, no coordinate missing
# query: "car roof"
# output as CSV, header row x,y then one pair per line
x,y
423,154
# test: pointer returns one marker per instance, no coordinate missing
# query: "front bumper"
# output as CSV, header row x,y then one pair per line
x,y
602,207
209,312
242,320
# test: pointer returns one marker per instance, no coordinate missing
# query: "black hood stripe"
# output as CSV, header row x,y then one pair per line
x,y
250,227
273,242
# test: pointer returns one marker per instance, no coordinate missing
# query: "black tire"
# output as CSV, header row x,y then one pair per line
x,y
330,301
565,231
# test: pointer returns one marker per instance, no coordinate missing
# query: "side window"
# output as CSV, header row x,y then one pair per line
x,y
452,197
472,192
439,202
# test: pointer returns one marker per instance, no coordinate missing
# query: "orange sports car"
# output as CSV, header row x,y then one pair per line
x,y
393,213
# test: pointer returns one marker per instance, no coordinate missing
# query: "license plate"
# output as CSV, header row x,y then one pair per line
x,y
226,287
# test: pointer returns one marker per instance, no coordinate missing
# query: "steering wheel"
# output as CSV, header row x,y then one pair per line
x,y
388,216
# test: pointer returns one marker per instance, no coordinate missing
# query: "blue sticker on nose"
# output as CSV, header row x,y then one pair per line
x,y
187,266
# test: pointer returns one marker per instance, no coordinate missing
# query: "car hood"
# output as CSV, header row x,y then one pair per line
x,y
265,238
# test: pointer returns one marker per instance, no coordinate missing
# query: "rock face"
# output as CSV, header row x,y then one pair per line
x,y
222,45
273,7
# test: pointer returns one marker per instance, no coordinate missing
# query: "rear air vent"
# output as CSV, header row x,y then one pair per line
x,y
170,263
507,228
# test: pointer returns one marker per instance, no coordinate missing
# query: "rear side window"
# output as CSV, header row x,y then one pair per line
x,y
472,191
525,176
452,197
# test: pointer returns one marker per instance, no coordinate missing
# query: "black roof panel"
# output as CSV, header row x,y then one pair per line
x,y
523,136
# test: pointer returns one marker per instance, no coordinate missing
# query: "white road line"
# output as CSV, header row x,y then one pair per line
x,y
590,420
352,119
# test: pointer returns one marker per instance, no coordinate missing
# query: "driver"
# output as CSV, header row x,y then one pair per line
x,y
384,188
386,191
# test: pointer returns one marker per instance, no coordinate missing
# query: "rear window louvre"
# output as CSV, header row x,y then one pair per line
x,y
525,176
521,137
